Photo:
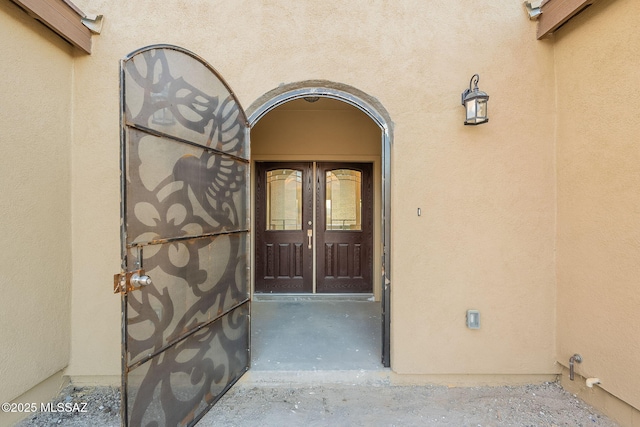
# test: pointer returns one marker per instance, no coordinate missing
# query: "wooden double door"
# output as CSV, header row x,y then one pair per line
x,y
314,217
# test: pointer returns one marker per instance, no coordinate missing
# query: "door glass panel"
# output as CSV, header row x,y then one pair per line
x,y
343,200
284,199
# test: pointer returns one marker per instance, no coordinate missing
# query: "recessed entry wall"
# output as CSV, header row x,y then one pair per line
x,y
324,130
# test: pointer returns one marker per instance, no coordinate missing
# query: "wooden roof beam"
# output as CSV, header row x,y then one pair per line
x,y
62,17
556,13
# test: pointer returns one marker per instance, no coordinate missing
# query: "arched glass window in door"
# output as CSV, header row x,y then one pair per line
x,y
343,200
284,199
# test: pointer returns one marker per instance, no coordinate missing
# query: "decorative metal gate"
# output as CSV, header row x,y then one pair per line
x,y
185,237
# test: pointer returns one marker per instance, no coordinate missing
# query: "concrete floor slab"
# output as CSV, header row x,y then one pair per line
x,y
300,335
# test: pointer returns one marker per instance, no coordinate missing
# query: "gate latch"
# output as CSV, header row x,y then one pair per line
x,y
130,281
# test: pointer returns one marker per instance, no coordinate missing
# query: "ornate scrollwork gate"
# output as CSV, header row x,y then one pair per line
x,y
185,237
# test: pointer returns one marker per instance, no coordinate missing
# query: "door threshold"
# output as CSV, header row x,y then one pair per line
x,y
377,377
313,297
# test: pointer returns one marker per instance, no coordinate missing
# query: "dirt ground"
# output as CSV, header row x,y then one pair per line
x,y
310,405
345,405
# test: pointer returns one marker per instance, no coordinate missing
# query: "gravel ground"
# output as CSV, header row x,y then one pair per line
x,y
308,405
102,408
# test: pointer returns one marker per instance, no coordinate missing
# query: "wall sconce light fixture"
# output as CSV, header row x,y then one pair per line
x,y
475,102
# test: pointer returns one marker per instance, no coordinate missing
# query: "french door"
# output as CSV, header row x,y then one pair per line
x,y
314,217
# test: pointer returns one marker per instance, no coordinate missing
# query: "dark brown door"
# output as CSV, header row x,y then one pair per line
x,y
345,227
284,226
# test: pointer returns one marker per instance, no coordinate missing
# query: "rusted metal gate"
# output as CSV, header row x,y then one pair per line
x,y
185,237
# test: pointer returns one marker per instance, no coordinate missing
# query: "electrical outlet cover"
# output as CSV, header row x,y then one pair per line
x,y
473,319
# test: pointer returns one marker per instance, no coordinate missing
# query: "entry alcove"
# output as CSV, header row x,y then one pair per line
x,y
313,143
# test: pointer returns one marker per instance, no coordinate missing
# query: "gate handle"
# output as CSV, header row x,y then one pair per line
x,y
310,236
138,280
130,281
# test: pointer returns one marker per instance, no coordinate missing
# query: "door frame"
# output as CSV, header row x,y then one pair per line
x,y
374,109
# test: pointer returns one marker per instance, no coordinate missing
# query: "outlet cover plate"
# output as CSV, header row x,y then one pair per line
x,y
473,319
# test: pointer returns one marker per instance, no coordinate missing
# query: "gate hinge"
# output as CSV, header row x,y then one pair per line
x,y
130,281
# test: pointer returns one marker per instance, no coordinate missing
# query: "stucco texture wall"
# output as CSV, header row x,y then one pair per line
x,y
35,232
485,239
598,195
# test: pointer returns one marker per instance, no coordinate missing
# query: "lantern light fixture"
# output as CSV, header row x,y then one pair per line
x,y
475,103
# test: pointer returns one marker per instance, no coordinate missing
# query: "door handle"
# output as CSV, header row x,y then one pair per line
x,y
310,236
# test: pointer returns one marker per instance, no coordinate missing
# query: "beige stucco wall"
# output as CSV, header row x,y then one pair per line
x,y
485,239
598,196
35,232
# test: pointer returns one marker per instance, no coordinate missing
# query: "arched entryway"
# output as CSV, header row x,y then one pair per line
x,y
357,139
